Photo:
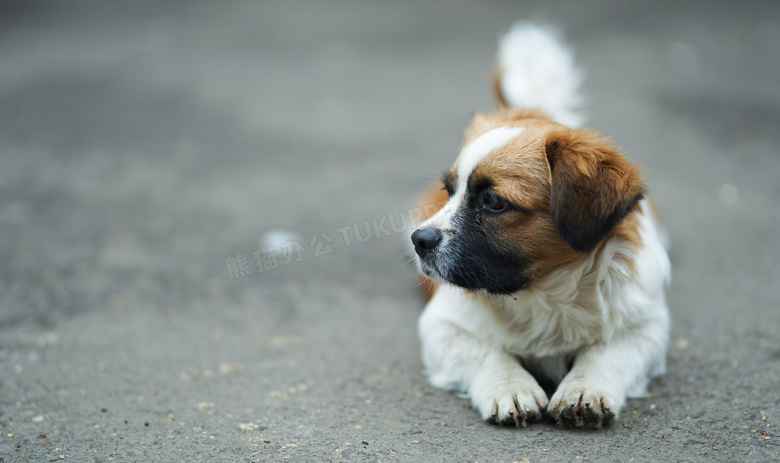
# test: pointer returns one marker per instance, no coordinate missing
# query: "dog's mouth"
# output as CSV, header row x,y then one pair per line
x,y
437,270
429,270
472,277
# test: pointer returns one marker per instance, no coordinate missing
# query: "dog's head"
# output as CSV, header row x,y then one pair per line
x,y
526,196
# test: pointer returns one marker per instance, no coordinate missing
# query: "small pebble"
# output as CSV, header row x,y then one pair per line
x,y
682,344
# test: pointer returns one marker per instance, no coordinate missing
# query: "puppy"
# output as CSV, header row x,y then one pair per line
x,y
545,263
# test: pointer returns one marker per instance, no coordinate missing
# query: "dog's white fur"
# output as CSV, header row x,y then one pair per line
x,y
596,328
538,71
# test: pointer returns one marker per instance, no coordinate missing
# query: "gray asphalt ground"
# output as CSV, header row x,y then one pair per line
x,y
146,146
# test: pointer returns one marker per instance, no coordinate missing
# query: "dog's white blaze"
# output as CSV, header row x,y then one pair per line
x,y
469,158
479,148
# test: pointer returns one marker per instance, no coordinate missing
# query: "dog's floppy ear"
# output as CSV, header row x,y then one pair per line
x,y
593,186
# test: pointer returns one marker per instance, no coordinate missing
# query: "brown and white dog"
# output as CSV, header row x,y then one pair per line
x,y
546,263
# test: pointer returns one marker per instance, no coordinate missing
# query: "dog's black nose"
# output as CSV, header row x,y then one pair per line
x,y
424,240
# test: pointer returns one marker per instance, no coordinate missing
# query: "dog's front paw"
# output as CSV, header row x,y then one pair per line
x,y
582,406
509,397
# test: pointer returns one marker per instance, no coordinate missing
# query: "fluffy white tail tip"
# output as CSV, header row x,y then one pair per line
x,y
538,71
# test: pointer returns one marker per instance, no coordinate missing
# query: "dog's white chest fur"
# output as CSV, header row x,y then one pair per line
x,y
581,305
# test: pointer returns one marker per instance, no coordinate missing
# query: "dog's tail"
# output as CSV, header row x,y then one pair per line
x,y
535,69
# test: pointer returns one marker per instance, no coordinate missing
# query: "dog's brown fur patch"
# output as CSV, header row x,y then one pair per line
x,y
593,186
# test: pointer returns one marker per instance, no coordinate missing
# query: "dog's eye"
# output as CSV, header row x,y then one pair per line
x,y
491,202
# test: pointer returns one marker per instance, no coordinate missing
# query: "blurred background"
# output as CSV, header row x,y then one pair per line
x,y
201,204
